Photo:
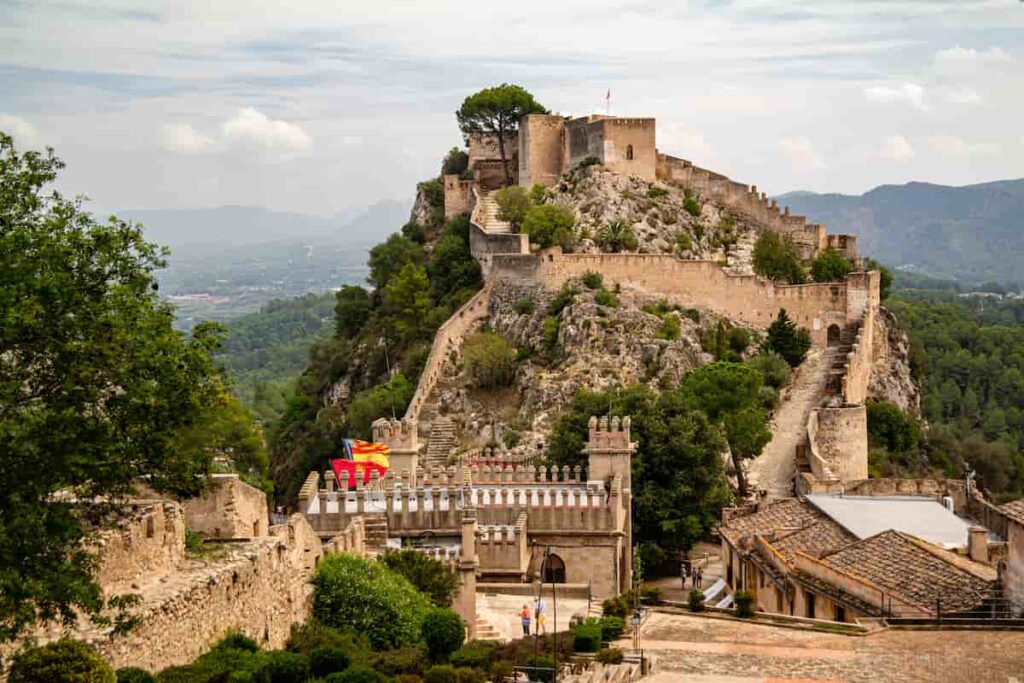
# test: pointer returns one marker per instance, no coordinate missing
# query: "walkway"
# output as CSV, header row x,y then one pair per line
x,y
487,214
775,468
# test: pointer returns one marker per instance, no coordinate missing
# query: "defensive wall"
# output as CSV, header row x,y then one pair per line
x,y
838,437
148,538
230,510
458,196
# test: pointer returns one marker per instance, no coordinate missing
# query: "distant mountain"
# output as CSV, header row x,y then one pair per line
x,y
234,226
974,233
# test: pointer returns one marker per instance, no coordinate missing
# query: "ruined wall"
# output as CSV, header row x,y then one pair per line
x,y
458,196
149,539
1013,577
485,160
542,149
842,441
860,362
230,509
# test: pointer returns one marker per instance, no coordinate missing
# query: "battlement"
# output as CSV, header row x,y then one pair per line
x,y
400,435
605,434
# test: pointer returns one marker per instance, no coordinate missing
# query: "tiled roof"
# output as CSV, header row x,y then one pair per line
x,y
817,539
836,593
1014,509
911,570
788,513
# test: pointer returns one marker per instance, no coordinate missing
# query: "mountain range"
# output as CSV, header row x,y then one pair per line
x,y
973,233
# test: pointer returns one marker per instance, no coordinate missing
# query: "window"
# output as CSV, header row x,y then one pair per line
x,y
834,335
778,602
810,605
629,152
840,613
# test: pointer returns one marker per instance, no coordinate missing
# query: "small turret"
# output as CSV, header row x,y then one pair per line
x,y
609,449
401,436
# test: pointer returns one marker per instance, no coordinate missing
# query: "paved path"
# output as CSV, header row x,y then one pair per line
x,y
705,650
775,468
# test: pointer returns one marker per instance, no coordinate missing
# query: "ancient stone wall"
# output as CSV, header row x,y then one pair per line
x,y
542,150
458,196
230,509
859,362
587,560
628,146
149,539
842,441
1013,577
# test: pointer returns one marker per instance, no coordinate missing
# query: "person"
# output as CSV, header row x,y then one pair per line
x,y
700,577
524,614
541,615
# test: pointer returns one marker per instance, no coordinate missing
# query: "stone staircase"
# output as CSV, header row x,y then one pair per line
x,y
485,631
487,215
376,530
442,442
838,353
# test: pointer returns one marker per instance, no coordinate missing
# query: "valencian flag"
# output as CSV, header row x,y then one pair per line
x,y
361,458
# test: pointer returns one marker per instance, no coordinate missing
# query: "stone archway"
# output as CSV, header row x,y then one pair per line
x,y
553,569
834,335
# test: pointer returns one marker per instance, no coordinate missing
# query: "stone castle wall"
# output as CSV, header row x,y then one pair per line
x,y
842,441
542,153
458,196
859,362
230,509
149,540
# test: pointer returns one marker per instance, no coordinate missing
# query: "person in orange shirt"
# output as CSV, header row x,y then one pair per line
x,y
524,614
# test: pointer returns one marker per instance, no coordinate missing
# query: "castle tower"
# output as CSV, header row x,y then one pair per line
x,y
465,595
401,436
609,450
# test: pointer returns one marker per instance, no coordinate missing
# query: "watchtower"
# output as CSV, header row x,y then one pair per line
x,y
401,436
609,449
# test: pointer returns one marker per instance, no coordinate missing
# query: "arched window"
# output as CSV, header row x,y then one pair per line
x,y
629,152
553,569
834,335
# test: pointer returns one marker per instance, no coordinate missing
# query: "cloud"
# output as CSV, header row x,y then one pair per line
x,y
182,137
966,60
965,96
957,148
908,93
801,153
252,128
897,148
24,133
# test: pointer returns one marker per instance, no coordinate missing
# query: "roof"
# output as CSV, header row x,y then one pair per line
x,y
1014,510
817,539
911,570
787,513
836,593
866,516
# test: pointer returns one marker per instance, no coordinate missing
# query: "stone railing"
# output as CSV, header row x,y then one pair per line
x,y
351,540
857,371
819,468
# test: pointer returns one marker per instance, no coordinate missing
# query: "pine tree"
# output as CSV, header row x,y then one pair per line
x,y
788,340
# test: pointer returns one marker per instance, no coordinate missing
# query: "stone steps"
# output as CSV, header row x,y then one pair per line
x,y
486,631
442,442
487,214
376,530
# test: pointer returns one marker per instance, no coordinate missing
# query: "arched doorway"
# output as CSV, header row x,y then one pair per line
x,y
553,569
834,335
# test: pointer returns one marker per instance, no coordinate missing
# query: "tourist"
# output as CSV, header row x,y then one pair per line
x,y
699,577
524,614
541,614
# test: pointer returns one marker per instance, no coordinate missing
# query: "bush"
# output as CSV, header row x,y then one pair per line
x,y
695,600
404,660
542,222
501,671
443,673
550,330
656,192
443,633
543,668
616,237
830,266
524,306
615,607
605,298
683,242
476,654
888,426
357,676
236,640
776,259
610,655
611,628
513,204
589,161
456,162
368,597
308,637
281,666
411,231
327,660
739,339
671,327
649,593
133,674
490,360
773,368
744,604
592,280
426,574
467,675
768,397
70,661
587,636
692,206
787,340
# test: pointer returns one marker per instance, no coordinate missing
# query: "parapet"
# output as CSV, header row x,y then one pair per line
x,y
609,435
399,434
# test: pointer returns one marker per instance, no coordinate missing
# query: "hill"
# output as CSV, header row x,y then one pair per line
x,y
974,232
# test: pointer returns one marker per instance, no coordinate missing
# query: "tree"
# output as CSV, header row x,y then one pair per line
x,y
366,596
830,266
776,259
389,399
617,236
352,311
490,360
787,340
513,203
390,257
443,633
95,387
456,162
69,661
497,111
430,577
452,267
407,299
889,427
884,276
542,223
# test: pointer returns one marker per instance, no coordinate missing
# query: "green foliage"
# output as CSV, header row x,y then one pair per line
x,y
655,192
538,194
490,360
70,661
524,306
370,598
513,204
609,655
357,676
427,575
617,236
677,472
236,640
133,674
671,327
497,110
649,593
776,259
690,204
683,242
388,258
452,267
589,161
443,633
407,300
550,329
543,221
773,368
603,297
739,339
384,400
564,298
456,162
889,427
587,636
695,600
592,280
787,340
830,266
351,311
475,654
96,388
324,661
884,276
404,660
744,604
415,232
611,627
281,666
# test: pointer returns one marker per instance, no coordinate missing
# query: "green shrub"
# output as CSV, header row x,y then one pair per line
x,y
538,194
133,674
70,661
543,667
456,161
787,340
550,330
739,339
671,327
357,676
564,297
605,298
501,671
744,604
403,660
589,161
426,574
649,593
443,632
407,678
768,397
615,607
412,231
776,259
690,204
442,673
611,628
513,203
656,192
327,660
683,242
490,362
695,600
476,654
617,236
592,280
524,306
542,222
281,666
587,636
236,640
773,368
830,266
610,655
467,675
313,635
890,427
368,597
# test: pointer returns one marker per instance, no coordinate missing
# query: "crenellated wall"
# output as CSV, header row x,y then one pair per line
x,y
149,539
859,361
229,509
458,196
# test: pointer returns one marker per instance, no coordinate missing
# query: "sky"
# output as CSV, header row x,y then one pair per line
x,y
318,107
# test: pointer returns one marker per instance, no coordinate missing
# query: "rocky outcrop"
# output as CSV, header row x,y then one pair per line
x,y
891,378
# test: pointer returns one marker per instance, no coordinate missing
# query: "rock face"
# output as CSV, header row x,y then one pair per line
x,y
891,379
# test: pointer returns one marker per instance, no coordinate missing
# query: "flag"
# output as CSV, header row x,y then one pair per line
x,y
609,95
361,458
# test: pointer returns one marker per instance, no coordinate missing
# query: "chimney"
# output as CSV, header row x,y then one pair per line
x,y
977,543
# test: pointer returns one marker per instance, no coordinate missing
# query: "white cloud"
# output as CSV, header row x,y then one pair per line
x,y
24,133
957,148
965,96
252,128
683,140
908,93
801,153
897,148
182,137
966,60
